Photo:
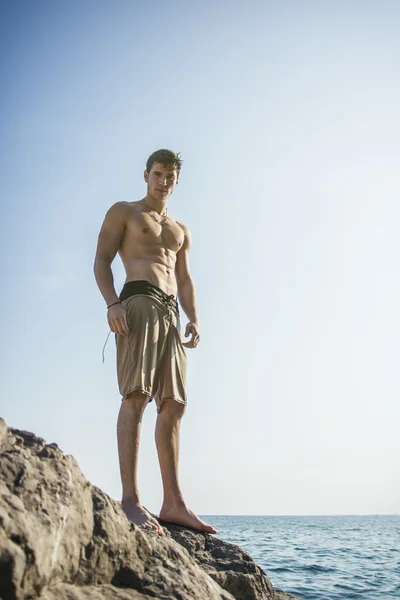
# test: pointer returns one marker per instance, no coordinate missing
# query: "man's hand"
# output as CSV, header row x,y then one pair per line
x,y
193,329
116,316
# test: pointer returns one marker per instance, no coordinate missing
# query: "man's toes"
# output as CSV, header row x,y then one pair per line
x,y
209,529
159,529
155,525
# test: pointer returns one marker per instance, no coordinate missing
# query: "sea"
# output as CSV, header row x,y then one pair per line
x,y
322,557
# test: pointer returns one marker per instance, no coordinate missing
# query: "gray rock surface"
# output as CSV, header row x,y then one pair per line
x,y
62,538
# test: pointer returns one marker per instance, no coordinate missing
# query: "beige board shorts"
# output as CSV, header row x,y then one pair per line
x,y
151,358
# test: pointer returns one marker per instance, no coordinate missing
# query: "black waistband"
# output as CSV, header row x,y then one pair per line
x,y
142,286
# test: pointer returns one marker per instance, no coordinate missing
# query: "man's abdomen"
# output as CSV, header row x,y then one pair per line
x,y
160,274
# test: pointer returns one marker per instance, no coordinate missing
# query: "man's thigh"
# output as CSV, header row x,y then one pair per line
x,y
172,374
140,353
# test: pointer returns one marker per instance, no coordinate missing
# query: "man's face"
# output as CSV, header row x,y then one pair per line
x,y
161,181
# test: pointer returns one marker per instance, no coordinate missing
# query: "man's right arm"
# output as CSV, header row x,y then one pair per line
x,y
109,241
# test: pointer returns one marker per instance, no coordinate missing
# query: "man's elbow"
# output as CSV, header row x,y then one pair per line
x,y
101,261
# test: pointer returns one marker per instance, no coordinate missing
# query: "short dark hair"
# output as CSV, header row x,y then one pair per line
x,y
167,158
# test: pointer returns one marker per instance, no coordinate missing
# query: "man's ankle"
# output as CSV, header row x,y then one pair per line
x,y
130,499
173,502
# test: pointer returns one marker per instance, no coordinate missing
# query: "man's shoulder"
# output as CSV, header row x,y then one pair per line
x,y
123,207
118,207
184,227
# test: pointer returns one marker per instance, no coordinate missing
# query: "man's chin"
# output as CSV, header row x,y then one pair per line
x,y
157,195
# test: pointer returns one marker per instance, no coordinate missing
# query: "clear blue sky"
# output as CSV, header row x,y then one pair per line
x,y
286,115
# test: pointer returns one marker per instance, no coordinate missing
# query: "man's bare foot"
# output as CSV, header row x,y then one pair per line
x,y
182,515
139,515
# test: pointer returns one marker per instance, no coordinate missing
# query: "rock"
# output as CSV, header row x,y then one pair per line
x,y
62,538
230,566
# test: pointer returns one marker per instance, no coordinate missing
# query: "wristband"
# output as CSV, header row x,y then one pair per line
x,y
119,302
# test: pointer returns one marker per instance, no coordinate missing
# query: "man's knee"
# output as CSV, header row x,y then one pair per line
x,y
136,401
172,408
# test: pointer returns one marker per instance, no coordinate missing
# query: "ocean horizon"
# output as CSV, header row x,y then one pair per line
x,y
321,557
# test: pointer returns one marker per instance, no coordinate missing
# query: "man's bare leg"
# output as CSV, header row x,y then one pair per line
x,y
128,430
174,509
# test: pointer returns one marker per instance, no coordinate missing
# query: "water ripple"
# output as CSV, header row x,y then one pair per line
x,y
322,558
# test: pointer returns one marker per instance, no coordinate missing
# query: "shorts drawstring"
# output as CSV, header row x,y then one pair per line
x,y
106,343
169,301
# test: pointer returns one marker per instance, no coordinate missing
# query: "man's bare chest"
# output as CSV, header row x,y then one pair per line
x,y
154,229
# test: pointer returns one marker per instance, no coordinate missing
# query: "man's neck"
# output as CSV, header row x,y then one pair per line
x,y
160,206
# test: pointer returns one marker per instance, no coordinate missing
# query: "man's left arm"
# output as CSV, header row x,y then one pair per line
x,y
186,291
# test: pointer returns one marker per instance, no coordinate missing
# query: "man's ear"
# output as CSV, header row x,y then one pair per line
x,y
146,176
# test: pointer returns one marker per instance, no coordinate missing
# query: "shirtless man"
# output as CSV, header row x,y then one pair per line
x,y
151,358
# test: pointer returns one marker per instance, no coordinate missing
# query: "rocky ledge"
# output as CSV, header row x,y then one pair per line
x,y
62,538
